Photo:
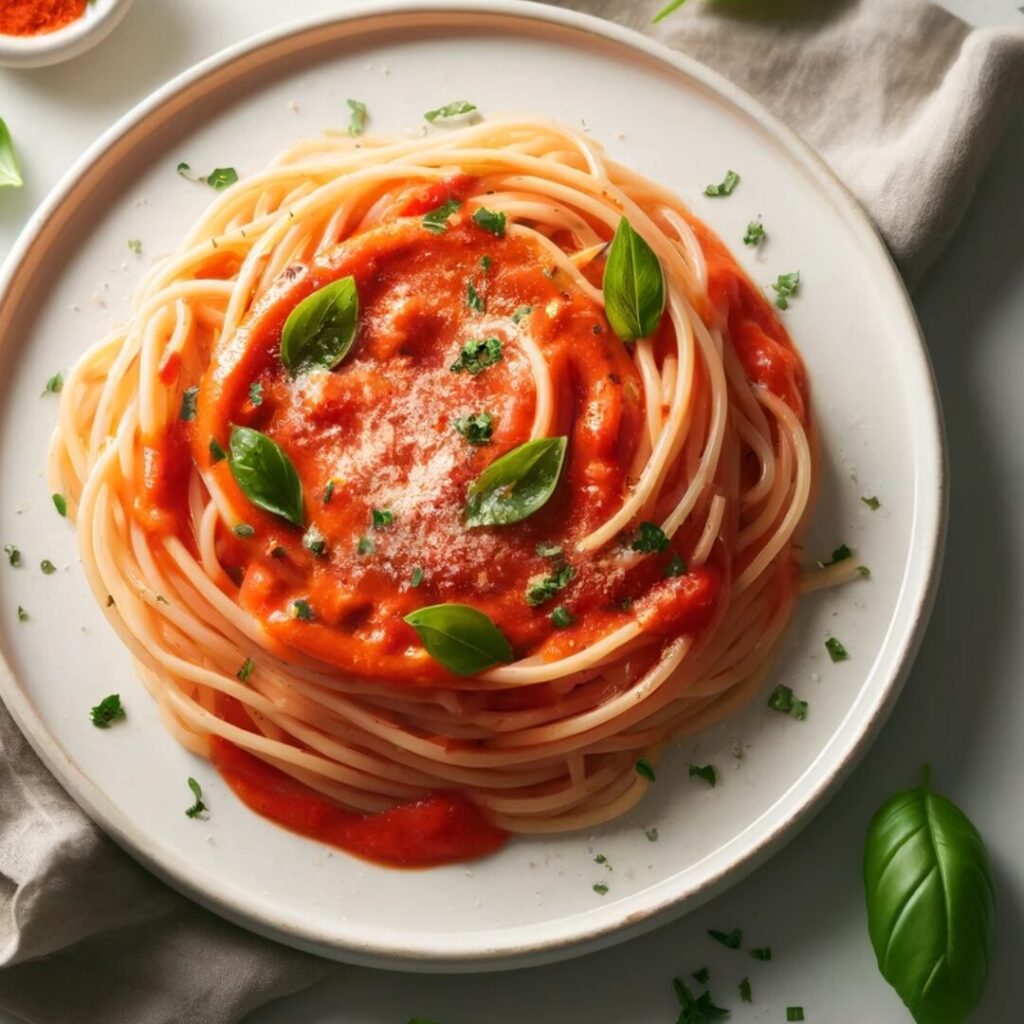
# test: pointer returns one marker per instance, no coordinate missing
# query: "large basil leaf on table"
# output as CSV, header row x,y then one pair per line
x,y
931,904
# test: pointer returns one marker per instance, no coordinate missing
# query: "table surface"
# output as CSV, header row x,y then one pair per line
x,y
961,707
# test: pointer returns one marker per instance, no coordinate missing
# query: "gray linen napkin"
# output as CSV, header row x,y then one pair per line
x,y
901,98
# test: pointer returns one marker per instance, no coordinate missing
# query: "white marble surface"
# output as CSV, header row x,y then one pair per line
x,y
961,707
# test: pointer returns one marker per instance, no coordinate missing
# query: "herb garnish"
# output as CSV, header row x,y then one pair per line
x,y
135,246
602,859
561,618
188,403
676,566
652,834
727,186
699,1010
197,791
366,546
474,300
705,772
485,263
243,530
47,567
785,287
329,492
476,428
457,108
300,609
476,355
321,329
110,709
13,554
794,1013
645,769
60,503
633,285
219,178
381,518
755,233
461,638
246,670
840,554
517,484
546,587
745,992
785,702
265,475
600,888
313,540
546,550
649,538
521,314
10,173
54,384
22,614
256,393
762,953
436,222
417,577
357,118
701,976
217,454
836,651
872,503
492,221
731,940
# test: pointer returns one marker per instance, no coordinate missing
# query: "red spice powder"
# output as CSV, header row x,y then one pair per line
x,y
34,17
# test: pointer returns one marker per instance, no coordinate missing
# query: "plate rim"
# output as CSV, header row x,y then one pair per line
x,y
914,602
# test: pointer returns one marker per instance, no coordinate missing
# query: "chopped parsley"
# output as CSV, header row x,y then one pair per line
x,y
109,710
727,186
436,222
702,977
485,263
544,588
313,540
521,314
836,651
600,888
490,220
13,554
476,428
863,570
48,567
476,355
300,610
256,393
699,1010
731,940
649,538
676,565
381,518
246,670
277,551
561,618
188,403
328,492
197,791
872,503
755,233
786,702
546,550
785,288
762,953
474,300
705,772
54,385
60,503
602,859
841,554
644,769
794,1013
244,530
135,245
745,993
357,118
217,454
417,577
457,108
366,546
22,614
220,177
652,834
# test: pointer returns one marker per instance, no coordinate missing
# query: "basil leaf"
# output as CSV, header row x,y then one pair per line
x,y
459,637
516,485
10,173
634,285
357,118
320,330
454,109
266,475
931,904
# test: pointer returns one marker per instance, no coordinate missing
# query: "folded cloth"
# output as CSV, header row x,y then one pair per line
x,y
903,100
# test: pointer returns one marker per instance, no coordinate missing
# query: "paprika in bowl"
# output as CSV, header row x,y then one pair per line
x,y
34,33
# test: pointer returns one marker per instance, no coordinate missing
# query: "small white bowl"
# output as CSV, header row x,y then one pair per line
x,y
101,17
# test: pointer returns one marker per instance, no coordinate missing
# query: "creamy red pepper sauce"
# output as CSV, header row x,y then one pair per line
x,y
377,433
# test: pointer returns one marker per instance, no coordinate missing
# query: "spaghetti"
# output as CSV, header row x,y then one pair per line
x,y
379,324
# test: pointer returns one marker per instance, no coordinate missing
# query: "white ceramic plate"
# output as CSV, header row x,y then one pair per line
x,y
69,279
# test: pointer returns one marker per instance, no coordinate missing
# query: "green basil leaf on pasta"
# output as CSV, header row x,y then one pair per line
x,y
10,172
266,475
461,638
517,484
321,329
931,904
634,285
